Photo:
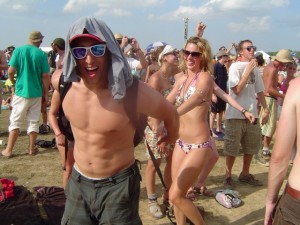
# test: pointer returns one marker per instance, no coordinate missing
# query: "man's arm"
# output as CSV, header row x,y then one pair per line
x,y
282,150
249,68
262,100
46,84
268,77
11,74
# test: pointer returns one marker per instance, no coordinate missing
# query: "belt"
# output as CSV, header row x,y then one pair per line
x,y
292,192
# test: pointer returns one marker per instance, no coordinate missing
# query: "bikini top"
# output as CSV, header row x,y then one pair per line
x,y
190,91
166,92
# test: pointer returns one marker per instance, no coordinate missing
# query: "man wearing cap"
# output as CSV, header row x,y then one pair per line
x,y
32,82
270,79
218,106
139,64
104,185
59,48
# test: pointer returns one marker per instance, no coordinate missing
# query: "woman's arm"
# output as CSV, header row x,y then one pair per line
x,y
227,98
199,96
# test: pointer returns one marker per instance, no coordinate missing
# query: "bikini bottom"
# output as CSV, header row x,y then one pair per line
x,y
186,147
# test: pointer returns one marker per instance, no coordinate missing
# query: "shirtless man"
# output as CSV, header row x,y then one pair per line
x,y
288,207
270,79
105,182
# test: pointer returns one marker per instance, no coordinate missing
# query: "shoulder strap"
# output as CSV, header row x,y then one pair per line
x,y
130,102
63,88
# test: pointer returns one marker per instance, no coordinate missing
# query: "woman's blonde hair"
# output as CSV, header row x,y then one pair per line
x,y
206,54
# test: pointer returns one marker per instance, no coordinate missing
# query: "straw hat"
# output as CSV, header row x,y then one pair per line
x,y
284,56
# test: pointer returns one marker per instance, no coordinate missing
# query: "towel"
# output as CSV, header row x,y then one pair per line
x,y
119,73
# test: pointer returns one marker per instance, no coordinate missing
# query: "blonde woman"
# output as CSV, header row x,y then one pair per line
x,y
192,95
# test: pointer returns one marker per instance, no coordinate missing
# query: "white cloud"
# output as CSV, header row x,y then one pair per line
x,y
253,24
109,5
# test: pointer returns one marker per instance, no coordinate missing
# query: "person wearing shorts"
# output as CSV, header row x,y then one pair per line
x,y
245,84
32,82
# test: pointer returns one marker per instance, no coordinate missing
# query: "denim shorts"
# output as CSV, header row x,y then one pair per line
x,y
113,200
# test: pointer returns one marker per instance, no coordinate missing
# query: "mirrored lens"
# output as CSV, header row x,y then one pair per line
x,y
96,50
79,53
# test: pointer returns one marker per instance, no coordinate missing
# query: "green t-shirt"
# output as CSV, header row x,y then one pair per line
x,y
30,63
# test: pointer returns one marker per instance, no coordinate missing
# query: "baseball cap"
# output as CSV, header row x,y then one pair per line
x,y
35,36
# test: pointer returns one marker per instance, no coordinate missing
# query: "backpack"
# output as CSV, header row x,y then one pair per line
x,y
130,101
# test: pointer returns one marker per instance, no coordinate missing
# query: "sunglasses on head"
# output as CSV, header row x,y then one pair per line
x,y
96,50
193,54
250,47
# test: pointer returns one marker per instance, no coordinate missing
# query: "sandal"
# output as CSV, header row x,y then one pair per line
x,y
33,151
204,191
191,195
249,179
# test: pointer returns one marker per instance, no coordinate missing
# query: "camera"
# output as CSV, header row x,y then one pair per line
x,y
130,40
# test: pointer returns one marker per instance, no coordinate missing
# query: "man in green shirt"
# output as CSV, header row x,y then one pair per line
x,y
31,84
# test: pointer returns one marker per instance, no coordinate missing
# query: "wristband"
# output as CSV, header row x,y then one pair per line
x,y
244,111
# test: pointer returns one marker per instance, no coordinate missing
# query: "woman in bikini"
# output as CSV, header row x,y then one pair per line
x,y
192,95
162,81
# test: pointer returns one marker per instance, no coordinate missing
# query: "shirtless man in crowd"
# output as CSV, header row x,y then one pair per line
x,y
287,210
104,185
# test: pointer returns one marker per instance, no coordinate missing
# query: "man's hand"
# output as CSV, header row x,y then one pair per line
x,y
265,117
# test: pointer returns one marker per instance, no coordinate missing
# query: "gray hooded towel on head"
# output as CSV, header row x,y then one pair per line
x,y
119,73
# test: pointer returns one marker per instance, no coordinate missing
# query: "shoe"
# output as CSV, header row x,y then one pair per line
x,y
266,155
249,179
260,160
155,210
228,183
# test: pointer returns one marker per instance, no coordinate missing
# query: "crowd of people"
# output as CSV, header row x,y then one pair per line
x,y
190,98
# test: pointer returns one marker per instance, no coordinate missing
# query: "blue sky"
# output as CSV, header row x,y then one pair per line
x,y
270,24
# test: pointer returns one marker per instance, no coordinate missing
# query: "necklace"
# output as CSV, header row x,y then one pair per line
x,y
185,89
170,79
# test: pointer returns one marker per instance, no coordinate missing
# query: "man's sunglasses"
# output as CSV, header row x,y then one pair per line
x,y
250,47
96,50
193,54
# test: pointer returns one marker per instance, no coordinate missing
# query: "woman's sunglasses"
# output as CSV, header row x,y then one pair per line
x,y
96,50
250,47
193,54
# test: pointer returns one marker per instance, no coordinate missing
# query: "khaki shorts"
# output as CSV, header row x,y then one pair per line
x,y
239,132
268,129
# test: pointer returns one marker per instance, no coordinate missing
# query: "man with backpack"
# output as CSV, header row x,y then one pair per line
x,y
104,185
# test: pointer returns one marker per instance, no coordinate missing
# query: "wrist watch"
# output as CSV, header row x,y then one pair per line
x,y
244,110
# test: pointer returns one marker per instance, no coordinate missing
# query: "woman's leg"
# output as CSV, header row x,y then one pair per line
x,y
185,169
208,167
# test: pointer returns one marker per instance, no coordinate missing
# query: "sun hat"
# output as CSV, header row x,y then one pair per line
x,y
284,56
59,42
221,53
167,49
118,36
35,36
